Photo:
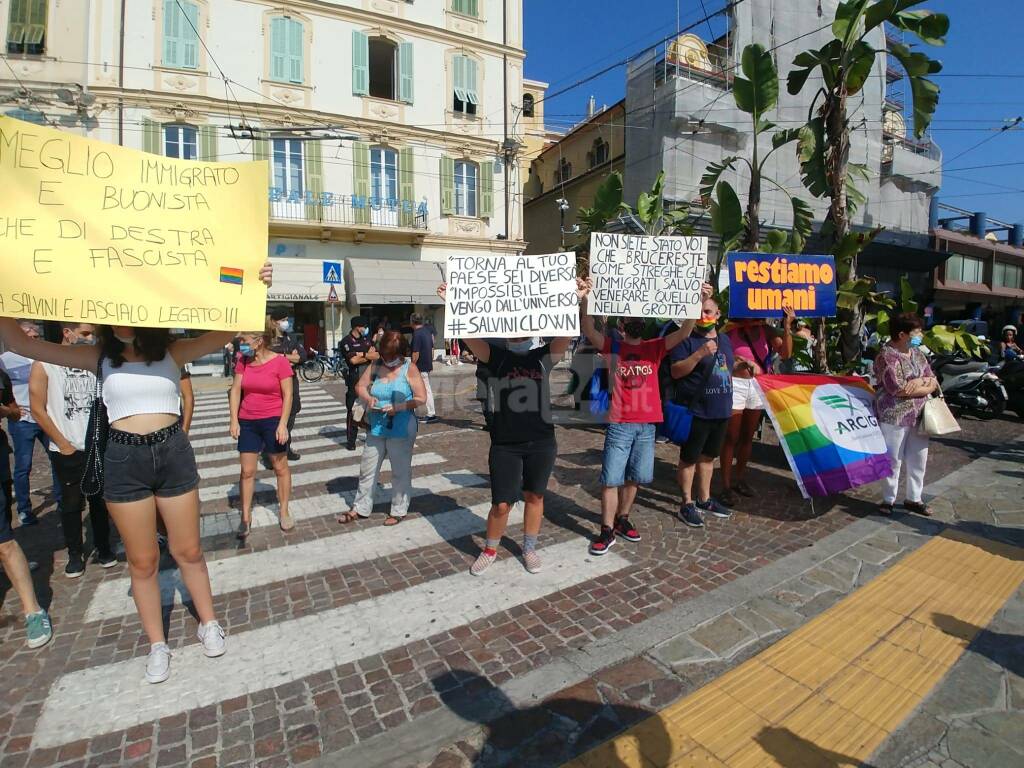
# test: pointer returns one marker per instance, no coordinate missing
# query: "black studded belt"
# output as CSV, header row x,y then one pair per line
x,y
153,438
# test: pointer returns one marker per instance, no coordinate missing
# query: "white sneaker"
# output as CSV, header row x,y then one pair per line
x,y
482,563
212,637
158,667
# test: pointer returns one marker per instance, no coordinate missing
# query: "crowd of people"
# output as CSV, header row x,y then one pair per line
x,y
134,383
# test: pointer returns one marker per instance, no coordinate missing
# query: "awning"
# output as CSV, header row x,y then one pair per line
x,y
392,281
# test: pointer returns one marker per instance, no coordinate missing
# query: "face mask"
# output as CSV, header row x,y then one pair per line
x,y
80,341
706,325
245,349
284,326
916,341
125,339
393,363
366,332
519,347
634,328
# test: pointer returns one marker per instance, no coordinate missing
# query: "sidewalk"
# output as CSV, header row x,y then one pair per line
x,y
973,716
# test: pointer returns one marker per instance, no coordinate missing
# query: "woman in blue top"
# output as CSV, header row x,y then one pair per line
x,y
392,388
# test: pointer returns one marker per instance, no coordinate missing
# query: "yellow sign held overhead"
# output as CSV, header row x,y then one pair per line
x,y
96,233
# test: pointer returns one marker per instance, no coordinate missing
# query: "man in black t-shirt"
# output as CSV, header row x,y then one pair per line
x,y
358,353
423,358
523,448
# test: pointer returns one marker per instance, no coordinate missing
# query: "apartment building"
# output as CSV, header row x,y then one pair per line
x,y
388,125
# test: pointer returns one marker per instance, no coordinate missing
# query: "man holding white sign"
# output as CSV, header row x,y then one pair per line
x,y
639,276
633,363
518,403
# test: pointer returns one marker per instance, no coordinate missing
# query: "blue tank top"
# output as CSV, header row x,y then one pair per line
x,y
395,391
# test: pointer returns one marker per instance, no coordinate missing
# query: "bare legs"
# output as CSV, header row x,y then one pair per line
x,y
617,502
703,471
16,567
247,484
279,461
497,518
739,441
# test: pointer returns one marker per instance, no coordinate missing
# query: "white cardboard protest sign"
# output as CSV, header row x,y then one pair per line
x,y
642,276
504,296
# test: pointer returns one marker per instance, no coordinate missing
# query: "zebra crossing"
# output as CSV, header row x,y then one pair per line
x,y
113,696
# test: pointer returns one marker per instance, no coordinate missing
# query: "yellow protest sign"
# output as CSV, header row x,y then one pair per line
x,y
97,233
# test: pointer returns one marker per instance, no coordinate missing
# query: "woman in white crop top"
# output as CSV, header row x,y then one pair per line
x,y
149,466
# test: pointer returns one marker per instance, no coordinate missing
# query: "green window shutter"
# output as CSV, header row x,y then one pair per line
x,y
261,152
471,7
447,186
172,34
361,180
406,188
17,20
35,30
486,210
296,32
278,48
152,136
313,162
360,63
459,76
189,36
459,6
207,143
405,73
470,80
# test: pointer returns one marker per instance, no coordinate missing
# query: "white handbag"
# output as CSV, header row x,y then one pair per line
x,y
937,419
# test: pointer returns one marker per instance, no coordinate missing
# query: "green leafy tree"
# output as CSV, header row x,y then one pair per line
x,y
756,93
844,65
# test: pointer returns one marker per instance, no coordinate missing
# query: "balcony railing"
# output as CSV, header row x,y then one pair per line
x,y
347,210
714,68
924,148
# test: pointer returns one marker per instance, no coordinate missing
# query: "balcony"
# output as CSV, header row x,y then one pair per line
x,y
346,211
919,161
696,61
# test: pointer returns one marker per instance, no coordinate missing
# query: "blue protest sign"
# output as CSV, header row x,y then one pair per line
x,y
760,283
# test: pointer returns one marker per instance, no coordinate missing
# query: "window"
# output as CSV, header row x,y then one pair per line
x,y
180,142
1007,275
598,154
26,30
467,7
383,175
563,172
464,79
286,54
465,188
181,40
965,269
381,68
287,160
528,105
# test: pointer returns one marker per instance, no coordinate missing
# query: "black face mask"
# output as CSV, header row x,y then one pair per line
x,y
634,328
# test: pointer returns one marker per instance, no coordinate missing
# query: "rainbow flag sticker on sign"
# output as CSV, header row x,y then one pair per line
x,y
231,275
828,429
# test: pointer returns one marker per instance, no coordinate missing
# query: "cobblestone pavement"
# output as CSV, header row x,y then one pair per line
x,y
351,644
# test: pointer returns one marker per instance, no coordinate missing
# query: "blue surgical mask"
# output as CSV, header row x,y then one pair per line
x,y
916,341
284,326
245,349
366,331
520,347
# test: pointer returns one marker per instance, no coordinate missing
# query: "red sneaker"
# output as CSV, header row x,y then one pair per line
x,y
626,529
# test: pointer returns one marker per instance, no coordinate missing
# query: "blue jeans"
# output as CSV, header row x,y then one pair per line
x,y
24,435
628,454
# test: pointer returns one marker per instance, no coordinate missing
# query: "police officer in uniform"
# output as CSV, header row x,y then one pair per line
x,y
358,353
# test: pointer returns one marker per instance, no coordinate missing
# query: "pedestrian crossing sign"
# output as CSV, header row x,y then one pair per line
x,y
332,272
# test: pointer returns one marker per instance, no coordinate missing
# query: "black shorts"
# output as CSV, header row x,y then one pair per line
x,y
706,439
137,472
259,436
518,467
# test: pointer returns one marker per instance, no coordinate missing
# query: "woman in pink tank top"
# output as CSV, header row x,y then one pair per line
x,y
755,344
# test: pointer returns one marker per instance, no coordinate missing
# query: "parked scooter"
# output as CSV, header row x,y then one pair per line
x,y
970,385
1011,376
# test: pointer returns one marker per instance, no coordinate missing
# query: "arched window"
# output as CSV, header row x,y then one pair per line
x,y
563,172
528,105
598,154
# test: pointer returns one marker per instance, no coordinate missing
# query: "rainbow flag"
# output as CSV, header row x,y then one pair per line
x,y
828,429
231,275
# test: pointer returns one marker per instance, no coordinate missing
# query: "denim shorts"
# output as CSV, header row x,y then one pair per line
x,y
628,454
259,436
137,472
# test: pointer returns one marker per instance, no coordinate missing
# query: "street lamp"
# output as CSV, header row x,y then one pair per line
x,y
563,206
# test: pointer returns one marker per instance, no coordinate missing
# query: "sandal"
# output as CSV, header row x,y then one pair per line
x,y
244,529
287,523
743,489
347,517
392,520
885,509
917,507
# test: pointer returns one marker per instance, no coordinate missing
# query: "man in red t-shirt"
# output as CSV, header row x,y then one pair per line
x,y
628,460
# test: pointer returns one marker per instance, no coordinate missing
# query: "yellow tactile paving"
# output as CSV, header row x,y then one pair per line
x,y
832,691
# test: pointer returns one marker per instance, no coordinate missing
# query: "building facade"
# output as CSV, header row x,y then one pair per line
x,y
388,125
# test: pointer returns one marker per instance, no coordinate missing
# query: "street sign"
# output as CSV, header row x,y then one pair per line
x,y
332,273
332,296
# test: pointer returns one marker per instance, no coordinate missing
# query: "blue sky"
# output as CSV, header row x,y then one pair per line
x,y
567,41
